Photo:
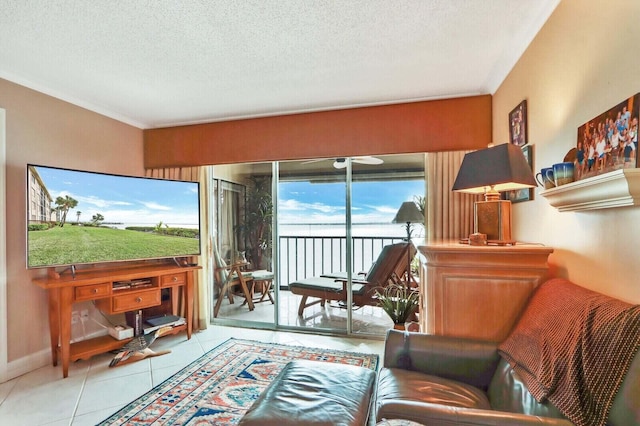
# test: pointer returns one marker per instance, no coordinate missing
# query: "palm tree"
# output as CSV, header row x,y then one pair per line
x,y
421,203
64,204
96,219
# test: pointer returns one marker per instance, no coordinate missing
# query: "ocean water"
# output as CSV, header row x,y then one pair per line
x,y
362,230
121,225
307,250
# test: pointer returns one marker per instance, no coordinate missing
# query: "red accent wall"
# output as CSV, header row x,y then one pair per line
x,y
440,125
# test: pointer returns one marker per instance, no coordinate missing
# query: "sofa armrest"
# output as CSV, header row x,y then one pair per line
x,y
443,415
469,361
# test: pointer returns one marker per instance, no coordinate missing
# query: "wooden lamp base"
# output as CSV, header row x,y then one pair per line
x,y
493,218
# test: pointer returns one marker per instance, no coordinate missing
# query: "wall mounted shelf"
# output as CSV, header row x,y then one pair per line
x,y
618,188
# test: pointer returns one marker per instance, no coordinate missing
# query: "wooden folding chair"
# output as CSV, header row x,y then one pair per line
x,y
226,277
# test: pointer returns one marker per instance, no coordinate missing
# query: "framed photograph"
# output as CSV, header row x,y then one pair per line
x,y
522,194
518,124
609,141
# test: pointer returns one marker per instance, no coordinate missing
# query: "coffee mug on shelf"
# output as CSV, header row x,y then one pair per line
x,y
563,173
545,178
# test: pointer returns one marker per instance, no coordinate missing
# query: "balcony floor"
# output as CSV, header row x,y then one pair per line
x,y
368,320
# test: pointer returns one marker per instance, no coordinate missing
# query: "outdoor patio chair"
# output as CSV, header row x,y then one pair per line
x,y
389,268
228,278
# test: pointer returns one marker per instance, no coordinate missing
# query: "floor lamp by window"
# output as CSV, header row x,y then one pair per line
x,y
409,214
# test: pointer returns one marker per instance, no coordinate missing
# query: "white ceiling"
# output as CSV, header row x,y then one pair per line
x,y
166,62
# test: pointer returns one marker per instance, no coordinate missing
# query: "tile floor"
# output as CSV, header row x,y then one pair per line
x,y
366,319
93,391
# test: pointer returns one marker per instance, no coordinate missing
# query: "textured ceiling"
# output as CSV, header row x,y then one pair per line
x,y
165,62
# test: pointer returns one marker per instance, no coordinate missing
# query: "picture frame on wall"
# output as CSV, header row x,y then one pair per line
x,y
518,124
525,194
609,141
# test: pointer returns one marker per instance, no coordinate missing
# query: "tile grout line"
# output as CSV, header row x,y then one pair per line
x,y
14,383
77,404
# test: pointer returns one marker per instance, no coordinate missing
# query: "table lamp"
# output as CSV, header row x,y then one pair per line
x,y
490,171
409,214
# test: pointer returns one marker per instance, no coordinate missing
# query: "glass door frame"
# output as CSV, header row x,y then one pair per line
x,y
348,261
350,315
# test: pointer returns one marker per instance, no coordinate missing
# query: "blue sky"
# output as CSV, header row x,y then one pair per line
x,y
372,202
123,199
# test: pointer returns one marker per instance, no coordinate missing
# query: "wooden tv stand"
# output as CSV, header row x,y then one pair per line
x,y
97,284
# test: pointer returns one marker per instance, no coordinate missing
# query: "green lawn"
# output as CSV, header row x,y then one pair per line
x,y
79,244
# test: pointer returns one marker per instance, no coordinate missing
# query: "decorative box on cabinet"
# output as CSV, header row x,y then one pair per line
x,y
478,291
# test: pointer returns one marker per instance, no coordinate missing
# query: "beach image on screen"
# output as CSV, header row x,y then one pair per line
x,y
77,217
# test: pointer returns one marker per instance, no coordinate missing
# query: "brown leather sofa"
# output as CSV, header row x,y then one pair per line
x,y
440,380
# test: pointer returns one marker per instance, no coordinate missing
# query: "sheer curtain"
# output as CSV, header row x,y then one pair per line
x,y
202,277
229,208
449,214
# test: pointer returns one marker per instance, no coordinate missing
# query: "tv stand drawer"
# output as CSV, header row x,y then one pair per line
x,y
90,292
174,279
130,301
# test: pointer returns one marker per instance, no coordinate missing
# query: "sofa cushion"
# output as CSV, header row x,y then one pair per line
x,y
314,393
397,387
508,392
326,284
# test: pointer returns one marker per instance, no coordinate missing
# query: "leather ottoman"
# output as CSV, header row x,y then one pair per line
x,y
315,393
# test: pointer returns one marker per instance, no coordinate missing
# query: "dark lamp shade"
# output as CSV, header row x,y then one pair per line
x,y
503,167
408,213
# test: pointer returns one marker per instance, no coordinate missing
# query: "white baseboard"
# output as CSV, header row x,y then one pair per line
x,y
28,363
37,360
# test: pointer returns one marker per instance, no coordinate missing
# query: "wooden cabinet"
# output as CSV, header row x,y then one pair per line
x,y
109,290
478,291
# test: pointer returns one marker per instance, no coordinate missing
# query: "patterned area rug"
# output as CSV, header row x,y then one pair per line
x,y
220,386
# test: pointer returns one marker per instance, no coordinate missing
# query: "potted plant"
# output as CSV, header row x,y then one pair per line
x,y
256,225
399,302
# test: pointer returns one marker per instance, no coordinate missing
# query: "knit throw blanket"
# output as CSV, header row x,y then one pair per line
x,y
573,347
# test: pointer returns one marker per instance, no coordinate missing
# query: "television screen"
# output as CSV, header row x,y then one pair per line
x,y
77,217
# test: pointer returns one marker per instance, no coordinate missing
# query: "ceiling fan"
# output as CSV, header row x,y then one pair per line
x,y
341,162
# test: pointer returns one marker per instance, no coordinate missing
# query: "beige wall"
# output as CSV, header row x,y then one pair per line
x,y
583,62
44,130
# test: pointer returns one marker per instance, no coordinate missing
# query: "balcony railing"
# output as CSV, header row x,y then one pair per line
x,y
302,257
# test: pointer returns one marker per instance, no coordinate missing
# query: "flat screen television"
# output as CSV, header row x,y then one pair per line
x,y
79,217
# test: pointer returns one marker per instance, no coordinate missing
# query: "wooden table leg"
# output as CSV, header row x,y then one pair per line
x,y
65,303
188,294
54,322
175,295
266,291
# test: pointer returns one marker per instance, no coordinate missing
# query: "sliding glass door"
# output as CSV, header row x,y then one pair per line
x,y
244,215
312,224
377,192
329,220
335,216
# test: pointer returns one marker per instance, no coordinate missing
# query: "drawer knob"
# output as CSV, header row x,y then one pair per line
x,y
175,278
138,299
95,291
